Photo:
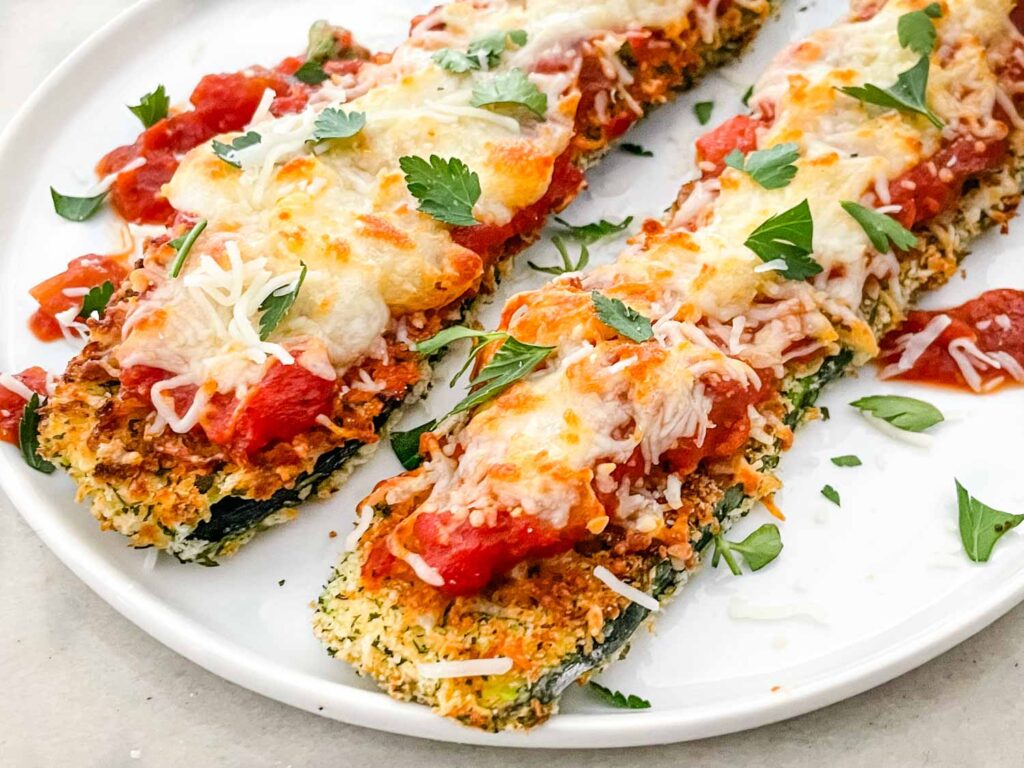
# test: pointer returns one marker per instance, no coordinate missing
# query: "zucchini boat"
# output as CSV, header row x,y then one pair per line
x,y
255,359
543,527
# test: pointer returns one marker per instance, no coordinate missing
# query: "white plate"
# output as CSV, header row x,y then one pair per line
x,y
881,583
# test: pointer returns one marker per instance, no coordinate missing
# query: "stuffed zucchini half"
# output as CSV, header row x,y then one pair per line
x,y
547,522
253,360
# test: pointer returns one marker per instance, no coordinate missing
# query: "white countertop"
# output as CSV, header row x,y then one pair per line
x,y
80,686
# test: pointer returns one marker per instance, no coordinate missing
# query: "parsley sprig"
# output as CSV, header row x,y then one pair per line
x,y
152,108
879,228
567,263
28,436
917,30
617,698
334,123
274,308
96,300
510,90
446,189
595,230
486,50
906,413
758,549
980,525
787,236
908,94
76,208
229,152
771,168
625,320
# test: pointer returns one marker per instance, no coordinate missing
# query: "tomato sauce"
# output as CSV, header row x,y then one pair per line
x,y
284,403
82,273
991,324
12,405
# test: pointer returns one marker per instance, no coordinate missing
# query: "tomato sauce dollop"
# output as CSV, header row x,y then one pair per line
x,y
82,273
12,405
993,322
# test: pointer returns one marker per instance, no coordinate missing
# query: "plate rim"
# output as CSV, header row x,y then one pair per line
x,y
374,709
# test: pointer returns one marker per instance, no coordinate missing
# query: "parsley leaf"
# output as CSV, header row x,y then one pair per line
x,y
228,152
311,73
446,189
406,445
322,43
917,31
567,265
512,88
635,149
454,333
76,208
96,300
906,413
831,494
626,320
848,460
980,525
788,236
591,233
335,124
513,360
487,49
771,168
758,549
28,436
703,110
152,108
277,304
909,94
880,229
617,698
183,245
746,96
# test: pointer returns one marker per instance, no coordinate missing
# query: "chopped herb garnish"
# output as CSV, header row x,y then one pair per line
x,y
771,168
487,50
617,698
152,108
917,30
277,304
311,73
280,582
758,549
880,229
28,436
906,413
980,525
635,149
825,415
335,124
96,300
831,494
848,460
703,110
510,89
591,233
617,316
76,208
183,245
446,189
229,152
788,236
746,96
909,94
322,42
513,360
406,445
567,264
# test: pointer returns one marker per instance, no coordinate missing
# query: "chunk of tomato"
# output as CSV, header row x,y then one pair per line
x,y
739,132
52,294
12,405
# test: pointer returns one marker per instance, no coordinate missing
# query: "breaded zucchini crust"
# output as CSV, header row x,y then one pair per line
x,y
552,617
178,489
